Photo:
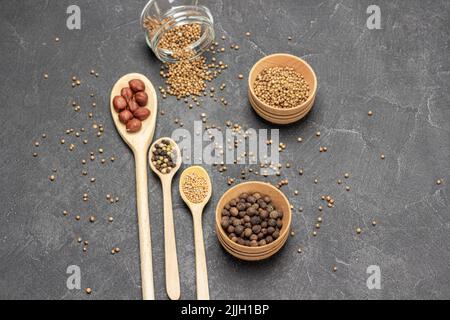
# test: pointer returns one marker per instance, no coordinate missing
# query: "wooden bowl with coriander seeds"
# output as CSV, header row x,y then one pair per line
x,y
294,86
276,200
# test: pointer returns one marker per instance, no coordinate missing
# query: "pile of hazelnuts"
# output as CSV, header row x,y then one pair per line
x,y
131,105
252,220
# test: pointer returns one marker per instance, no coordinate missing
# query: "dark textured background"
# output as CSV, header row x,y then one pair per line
x,y
401,72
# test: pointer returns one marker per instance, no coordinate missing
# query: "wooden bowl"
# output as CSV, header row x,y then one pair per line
x,y
280,202
283,60
281,120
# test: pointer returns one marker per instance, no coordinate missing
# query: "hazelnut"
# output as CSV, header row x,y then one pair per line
x,y
125,116
132,105
127,93
141,98
142,113
136,85
119,103
134,125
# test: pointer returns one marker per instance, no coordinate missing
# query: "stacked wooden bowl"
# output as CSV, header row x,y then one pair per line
x,y
280,202
282,116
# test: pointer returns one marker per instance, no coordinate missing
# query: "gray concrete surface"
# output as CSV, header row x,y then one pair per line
x,y
401,72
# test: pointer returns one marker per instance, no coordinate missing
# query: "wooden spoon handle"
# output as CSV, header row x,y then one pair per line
x,y
145,243
170,246
200,258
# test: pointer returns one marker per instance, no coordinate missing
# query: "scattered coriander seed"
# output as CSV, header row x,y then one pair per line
x,y
289,38
318,134
317,225
299,139
44,136
370,113
241,76
299,250
36,144
347,188
113,159
314,233
358,231
77,217
62,141
110,219
65,213
439,182
292,233
339,181
316,181
92,180
116,250
374,223
92,219
248,34
52,178
320,208
100,150
383,157
45,76
346,176
79,240
57,39
300,172
86,243
335,269
35,154
320,220
88,290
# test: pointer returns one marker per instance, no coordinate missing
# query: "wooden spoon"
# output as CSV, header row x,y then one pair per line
x,y
139,143
172,274
197,213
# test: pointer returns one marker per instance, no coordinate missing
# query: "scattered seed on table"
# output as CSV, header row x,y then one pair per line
x,y
92,219
318,134
374,223
439,182
299,250
86,243
77,217
335,269
65,213
35,154
79,240
299,139
88,290
347,188
346,176
92,180
292,233
314,233
339,181
370,113
289,38
110,219
52,178
241,76
383,157
358,231
45,76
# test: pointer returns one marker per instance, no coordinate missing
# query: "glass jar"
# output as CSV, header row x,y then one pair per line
x,y
161,16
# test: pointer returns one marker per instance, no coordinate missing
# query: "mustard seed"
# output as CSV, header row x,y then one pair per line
x,y
358,231
88,290
439,182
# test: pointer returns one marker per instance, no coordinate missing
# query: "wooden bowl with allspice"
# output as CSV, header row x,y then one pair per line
x,y
253,220
282,88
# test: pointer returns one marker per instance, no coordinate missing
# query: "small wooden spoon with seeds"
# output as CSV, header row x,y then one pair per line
x,y
139,143
170,246
202,196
